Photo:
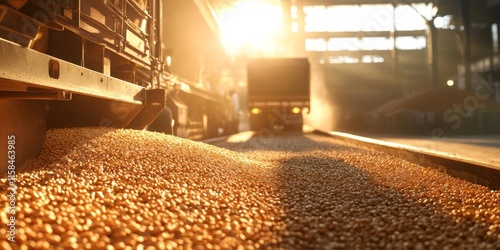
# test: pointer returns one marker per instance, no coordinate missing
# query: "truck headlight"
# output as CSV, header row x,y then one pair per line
x,y
296,110
256,111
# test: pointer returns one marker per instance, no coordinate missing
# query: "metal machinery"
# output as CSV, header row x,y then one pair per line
x,y
74,63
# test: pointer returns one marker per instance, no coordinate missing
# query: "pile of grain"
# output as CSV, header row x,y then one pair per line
x,y
98,188
340,196
91,188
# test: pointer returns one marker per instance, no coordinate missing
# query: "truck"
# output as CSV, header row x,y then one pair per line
x,y
91,63
278,93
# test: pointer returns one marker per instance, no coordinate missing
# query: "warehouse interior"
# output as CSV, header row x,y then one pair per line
x,y
378,66
357,124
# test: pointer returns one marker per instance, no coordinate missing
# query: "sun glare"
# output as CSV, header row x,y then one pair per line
x,y
252,26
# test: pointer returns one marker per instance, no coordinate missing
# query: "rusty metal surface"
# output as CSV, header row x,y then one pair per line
x,y
24,122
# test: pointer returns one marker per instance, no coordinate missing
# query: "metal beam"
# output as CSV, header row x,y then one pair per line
x,y
21,65
466,50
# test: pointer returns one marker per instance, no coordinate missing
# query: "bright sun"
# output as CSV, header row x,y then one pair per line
x,y
252,26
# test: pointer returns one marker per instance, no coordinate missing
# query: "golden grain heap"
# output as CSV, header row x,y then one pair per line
x,y
98,188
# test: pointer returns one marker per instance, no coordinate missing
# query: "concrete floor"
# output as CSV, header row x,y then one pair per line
x,y
484,149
